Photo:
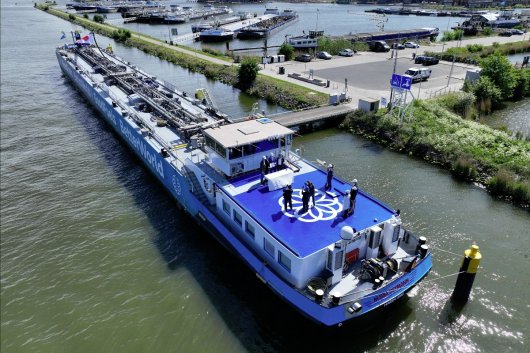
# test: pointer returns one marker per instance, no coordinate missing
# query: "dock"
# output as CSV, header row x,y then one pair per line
x,y
311,119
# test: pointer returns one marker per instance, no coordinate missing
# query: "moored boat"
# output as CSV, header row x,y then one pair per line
x,y
216,34
336,261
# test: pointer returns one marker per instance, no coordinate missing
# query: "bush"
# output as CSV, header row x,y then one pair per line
x,y
501,183
99,19
248,70
522,84
461,103
521,193
121,35
287,50
474,48
464,168
333,46
71,17
213,52
487,31
488,95
85,16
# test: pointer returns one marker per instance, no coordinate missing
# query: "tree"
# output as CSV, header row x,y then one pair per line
x,y
500,71
287,50
248,70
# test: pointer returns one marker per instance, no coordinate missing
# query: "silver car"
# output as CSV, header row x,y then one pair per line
x,y
324,55
411,45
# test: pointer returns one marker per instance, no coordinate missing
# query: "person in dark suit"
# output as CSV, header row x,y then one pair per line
x,y
264,169
305,198
329,177
311,192
287,197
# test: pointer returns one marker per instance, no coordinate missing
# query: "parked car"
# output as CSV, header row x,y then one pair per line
x,y
346,52
398,46
418,73
517,32
411,45
379,46
324,55
426,60
303,58
505,34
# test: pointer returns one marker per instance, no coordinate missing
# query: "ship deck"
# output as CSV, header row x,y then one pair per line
x,y
307,233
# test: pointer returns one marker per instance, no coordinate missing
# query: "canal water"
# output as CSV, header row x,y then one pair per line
x,y
96,257
333,19
515,117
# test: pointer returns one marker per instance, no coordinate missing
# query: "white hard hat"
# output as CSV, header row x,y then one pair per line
x,y
355,181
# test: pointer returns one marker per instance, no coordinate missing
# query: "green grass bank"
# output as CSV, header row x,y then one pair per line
x,y
474,53
285,94
471,151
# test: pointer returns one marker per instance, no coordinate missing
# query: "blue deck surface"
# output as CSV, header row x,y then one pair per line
x,y
307,233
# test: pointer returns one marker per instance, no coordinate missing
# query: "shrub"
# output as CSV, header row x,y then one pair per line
x,y
71,17
461,103
488,32
522,84
99,19
501,183
333,46
474,48
286,50
488,95
121,35
521,193
248,70
464,168
85,16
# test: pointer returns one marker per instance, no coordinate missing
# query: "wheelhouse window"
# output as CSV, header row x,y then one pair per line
x,y
284,261
235,153
249,228
237,218
226,207
269,248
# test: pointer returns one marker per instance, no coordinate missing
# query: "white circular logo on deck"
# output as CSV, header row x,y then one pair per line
x,y
176,185
326,207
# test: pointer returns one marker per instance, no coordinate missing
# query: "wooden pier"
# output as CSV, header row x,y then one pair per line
x,y
312,119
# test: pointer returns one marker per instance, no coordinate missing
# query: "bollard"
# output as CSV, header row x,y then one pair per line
x,y
468,270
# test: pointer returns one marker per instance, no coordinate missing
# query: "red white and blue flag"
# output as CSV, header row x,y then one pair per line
x,y
85,40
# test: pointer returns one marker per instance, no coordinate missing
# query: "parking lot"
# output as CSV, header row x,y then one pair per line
x,y
368,74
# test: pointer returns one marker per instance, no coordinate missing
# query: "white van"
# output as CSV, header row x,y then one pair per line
x,y
418,73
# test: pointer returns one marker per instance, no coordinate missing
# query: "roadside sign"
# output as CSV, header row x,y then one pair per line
x,y
395,82
402,82
406,82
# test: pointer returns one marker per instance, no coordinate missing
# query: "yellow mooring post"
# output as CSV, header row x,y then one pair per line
x,y
468,270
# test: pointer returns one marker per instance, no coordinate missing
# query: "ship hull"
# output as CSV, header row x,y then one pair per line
x,y
179,186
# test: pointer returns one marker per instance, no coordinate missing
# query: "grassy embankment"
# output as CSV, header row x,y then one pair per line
x,y
473,53
470,150
285,94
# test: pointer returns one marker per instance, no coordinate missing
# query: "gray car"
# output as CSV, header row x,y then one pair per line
x,y
324,55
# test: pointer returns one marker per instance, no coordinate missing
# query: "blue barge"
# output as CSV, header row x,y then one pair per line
x,y
334,259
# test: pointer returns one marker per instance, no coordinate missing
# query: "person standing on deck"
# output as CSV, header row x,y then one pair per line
x,y
264,169
305,198
353,196
272,163
287,197
311,192
329,177
346,204
280,162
